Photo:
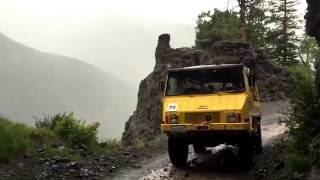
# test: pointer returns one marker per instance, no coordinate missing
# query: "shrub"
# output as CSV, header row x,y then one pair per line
x,y
298,163
72,131
50,122
42,136
14,139
302,122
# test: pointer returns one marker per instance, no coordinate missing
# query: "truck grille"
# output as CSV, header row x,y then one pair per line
x,y
200,117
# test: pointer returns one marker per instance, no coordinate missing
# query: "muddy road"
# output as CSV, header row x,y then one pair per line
x,y
219,164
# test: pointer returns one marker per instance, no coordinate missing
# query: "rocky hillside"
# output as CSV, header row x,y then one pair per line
x,y
144,124
313,19
34,83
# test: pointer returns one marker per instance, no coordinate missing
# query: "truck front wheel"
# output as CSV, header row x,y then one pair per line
x,y
257,138
178,152
246,154
258,142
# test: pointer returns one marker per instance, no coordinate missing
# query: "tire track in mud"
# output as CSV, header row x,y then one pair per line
x,y
220,164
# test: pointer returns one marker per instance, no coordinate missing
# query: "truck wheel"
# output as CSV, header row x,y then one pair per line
x,y
258,140
178,152
258,143
246,154
200,149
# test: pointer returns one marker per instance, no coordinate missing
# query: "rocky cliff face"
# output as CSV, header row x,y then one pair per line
x,y
313,19
144,124
313,29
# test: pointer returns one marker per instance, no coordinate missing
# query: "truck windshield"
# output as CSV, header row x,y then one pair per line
x,y
206,81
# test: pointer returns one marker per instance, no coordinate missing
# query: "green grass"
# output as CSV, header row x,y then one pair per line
x,y
14,139
71,130
59,135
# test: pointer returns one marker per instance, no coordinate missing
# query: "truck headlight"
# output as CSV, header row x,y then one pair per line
x,y
173,119
233,117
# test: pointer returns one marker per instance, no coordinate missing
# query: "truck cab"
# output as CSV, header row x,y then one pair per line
x,y
210,105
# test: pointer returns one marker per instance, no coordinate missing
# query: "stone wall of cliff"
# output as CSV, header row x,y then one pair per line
x,y
313,19
144,124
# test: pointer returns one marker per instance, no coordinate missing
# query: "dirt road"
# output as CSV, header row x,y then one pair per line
x,y
219,164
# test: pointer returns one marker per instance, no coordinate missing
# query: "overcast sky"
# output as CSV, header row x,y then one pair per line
x,y
112,34
176,11
62,10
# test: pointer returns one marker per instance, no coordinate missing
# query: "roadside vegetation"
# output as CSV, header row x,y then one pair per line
x,y
303,120
59,135
15,139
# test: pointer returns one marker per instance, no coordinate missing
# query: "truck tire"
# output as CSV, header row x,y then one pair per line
x,y
258,139
178,152
246,154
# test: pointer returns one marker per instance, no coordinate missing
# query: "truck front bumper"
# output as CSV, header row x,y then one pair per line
x,y
179,128
210,135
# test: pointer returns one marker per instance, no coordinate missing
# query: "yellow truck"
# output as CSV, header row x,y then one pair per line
x,y
210,105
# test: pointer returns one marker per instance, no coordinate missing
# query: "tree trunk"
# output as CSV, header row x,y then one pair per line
x,y
285,31
243,11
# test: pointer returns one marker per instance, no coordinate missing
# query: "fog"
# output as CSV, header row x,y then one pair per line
x,y
128,57
118,36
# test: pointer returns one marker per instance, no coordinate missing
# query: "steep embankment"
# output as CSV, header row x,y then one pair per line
x,y
34,83
144,124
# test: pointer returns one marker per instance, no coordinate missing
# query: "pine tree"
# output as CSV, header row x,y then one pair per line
x,y
257,23
282,36
247,25
243,5
253,20
217,26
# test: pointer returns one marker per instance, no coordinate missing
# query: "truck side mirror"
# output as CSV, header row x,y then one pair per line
x,y
252,80
161,86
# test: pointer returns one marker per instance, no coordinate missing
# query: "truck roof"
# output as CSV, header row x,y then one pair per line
x,y
213,66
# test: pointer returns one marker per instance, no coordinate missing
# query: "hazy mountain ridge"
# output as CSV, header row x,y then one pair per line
x,y
36,83
120,45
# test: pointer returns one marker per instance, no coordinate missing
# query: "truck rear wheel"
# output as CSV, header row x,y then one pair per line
x,y
178,152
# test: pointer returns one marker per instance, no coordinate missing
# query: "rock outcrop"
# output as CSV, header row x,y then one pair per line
x,y
313,19
144,124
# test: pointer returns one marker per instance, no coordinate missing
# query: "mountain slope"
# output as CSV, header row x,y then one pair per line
x,y
35,83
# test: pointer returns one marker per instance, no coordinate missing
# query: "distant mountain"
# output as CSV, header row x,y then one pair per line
x,y
115,44
33,83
